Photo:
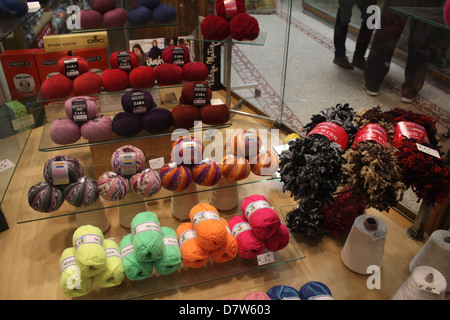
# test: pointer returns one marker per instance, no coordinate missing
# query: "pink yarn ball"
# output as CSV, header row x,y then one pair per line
x,y
146,183
72,103
99,128
279,240
263,219
64,131
249,244
256,295
115,18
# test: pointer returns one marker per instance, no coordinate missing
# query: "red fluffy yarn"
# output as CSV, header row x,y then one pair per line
x,y
114,61
142,77
221,9
169,74
215,27
57,87
244,27
215,114
83,65
263,219
114,79
195,71
168,57
88,83
184,116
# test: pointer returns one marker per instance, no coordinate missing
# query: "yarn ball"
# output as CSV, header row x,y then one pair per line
x,y
57,87
103,5
88,83
13,9
185,116
97,129
70,285
196,93
235,168
192,254
112,187
81,193
291,136
137,101
206,173
64,131
157,120
244,27
114,79
72,66
265,163
447,12
176,54
126,124
278,240
169,74
151,4
283,292
228,11
90,255
315,290
170,260
148,241
214,27
74,104
245,143
90,19
146,183
187,150
262,218
74,169
120,160
256,295
195,71
229,250
250,246
215,114
134,269
115,18
175,177
44,197
140,15
142,77
114,273
125,60
164,13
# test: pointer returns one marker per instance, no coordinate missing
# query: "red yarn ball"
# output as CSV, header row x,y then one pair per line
x,y
87,84
215,27
115,18
57,87
215,114
184,116
103,5
90,19
169,74
80,66
114,79
125,60
142,77
279,240
197,93
228,12
195,71
169,57
244,27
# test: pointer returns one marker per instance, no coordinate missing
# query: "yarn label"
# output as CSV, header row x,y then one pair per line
x,y
156,163
204,215
187,235
230,8
178,56
124,61
146,226
240,227
200,91
427,287
372,132
71,67
128,163
265,258
60,173
67,262
79,110
126,250
427,150
333,132
112,252
410,130
138,102
170,241
255,205
88,238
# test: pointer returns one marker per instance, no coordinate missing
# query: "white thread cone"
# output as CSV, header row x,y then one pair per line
x,y
128,212
184,201
224,195
97,218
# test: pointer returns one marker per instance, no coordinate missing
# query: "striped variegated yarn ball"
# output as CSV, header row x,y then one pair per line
x,y
245,143
44,197
117,159
235,168
146,183
112,187
81,193
74,169
187,150
315,290
265,163
207,173
283,292
175,177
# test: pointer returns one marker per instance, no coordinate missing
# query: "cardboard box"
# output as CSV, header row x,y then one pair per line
x,y
21,73
46,62
97,58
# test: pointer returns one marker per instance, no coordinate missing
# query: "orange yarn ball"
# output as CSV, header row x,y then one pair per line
x,y
245,143
192,254
235,168
265,163
206,173
229,250
175,177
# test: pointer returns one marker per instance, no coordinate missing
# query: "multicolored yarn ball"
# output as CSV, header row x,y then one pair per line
x,y
315,290
148,241
256,295
265,163
168,74
227,10
90,19
72,66
146,183
250,246
245,143
112,187
261,216
57,87
215,114
187,150
175,177
115,18
137,101
64,131
74,169
140,15
82,193
124,60
196,93
185,116
235,168
229,250
126,124
214,27
72,286
97,129
192,254
278,240
103,5
244,27
176,54
206,173
88,83
283,292
121,160
114,80
90,255
195,71
142,77
44,197
151,4
72,105
164,13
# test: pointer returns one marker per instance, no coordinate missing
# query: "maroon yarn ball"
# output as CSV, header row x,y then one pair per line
x,y
185,116
169,74
103,5
214,27
168,55
81,66
57,87
114,79
221,9
157,120
142,77
189,93
127,124
215,114
244,27
125,60
88,83
90,19
64,131
195,71
115,18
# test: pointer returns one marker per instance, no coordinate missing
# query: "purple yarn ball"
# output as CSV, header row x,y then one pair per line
x,y
64,131
157,120
164,13
99,128
137,101
127,124
140,15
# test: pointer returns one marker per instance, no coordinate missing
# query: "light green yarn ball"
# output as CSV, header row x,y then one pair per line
x,y
71,282
89,252
147,237
170,259
134,269
113,274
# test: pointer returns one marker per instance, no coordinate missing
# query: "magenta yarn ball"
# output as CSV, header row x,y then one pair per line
x,y
157,120
103,5
250,246
99,128
90,19
142,77
195,71
127,124
64,131
115,18
72,105
114,80
88,83
146,183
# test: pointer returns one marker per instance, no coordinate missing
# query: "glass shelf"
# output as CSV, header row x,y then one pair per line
x,y
129,26
257,42
431,15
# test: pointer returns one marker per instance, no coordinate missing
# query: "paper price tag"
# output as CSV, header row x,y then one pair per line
x,y
265,258
427,150
428,288
156,163
6,164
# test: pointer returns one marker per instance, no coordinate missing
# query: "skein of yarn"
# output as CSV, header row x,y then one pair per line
x,y
192,254
170,259
244,27
315,290
81,108
196,93
90,19
215,114
134,269
72,66
265,163
195,71
229,250
87,84
148,241
211,232
142,77
279,240
90,255
169,74
214,27
227,10
113,274
70,282
424,283
183,201
261,216
114,80
224,196
365,243
187,150
112,187
157,120
128,160
176,54
249,244
235,168
283,292
185,116
57,87
137,101
64,131
97,129
124,60
115,18
126,124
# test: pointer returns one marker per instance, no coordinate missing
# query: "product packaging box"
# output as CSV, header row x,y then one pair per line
x,y
47,62
97,58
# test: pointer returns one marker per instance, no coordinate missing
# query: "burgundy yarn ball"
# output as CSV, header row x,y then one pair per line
x,y
125,60
64,131
229,12
99,128
157,120
88,83
115,18
169,56
103,5
169,74
215,114
127,124
244,27
214,27
195,71
184,116
57,87
72,103
142,77
80,66
137,101
191,90
90,19
114,80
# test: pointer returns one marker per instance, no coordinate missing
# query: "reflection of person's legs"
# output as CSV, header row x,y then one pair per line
x,y
343,17
364,34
